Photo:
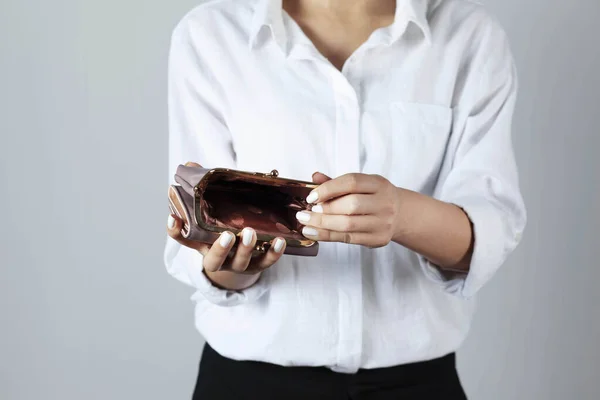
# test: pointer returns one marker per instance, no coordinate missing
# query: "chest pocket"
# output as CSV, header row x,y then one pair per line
x,y
419,136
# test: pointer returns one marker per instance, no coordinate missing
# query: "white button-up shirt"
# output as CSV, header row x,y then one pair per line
x,y
426,102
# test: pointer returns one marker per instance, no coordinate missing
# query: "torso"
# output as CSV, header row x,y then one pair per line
x,y
278,104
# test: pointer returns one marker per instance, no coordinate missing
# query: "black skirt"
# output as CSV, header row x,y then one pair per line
x,y
221,378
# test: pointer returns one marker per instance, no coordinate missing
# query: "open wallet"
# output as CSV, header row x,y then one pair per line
x,y
210,201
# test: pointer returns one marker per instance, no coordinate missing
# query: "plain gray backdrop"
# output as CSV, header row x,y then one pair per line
x,y
87,309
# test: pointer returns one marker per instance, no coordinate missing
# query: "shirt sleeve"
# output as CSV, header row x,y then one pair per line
x,y
480,175
198,133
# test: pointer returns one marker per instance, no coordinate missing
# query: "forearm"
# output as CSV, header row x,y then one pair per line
x,y
231,280
439,231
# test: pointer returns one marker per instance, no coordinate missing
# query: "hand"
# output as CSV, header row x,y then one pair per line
x,y
220,257
353,208
229,269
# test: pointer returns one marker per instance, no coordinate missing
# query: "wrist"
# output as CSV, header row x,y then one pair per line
x,y
231,280
437,230
402,224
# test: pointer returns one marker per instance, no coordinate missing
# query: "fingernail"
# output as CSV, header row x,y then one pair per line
x,y
247,236
308,231
225,239
312,197
171,222
303,216
278,245
317,209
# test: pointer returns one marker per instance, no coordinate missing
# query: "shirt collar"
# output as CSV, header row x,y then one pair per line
x,y
411,11
269,13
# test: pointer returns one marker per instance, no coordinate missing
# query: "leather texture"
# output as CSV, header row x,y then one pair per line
x,y
231,200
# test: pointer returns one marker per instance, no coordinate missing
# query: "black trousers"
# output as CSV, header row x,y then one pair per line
x,y
221,378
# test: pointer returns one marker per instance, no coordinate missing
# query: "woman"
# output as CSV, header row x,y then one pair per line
x,y
407,104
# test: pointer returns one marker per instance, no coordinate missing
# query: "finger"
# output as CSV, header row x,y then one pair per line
x,y
319,178
345,184
350,204
216,256
243,253
174,225
272,256
339,223
362,238
192,164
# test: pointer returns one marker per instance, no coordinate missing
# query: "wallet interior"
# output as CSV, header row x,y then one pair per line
x,y
236,203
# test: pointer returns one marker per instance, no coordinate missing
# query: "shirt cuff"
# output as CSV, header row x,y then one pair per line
x,y
494,239
185,265
224,297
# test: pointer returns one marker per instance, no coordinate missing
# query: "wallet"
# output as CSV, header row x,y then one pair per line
x,y
210,201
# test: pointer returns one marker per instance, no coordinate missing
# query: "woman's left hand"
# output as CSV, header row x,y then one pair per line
x,y
353,208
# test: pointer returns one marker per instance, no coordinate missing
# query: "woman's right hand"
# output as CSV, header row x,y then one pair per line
x,y
230,269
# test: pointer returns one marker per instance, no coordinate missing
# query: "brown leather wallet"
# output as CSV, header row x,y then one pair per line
x,y
210,201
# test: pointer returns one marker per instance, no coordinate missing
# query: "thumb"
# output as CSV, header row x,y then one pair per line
x,y
320,178
192,164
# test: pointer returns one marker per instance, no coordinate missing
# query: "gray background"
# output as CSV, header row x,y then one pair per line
x,y
88,311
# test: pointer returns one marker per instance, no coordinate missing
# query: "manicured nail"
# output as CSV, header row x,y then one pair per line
x,y
171,222
247,236
278,245
225,239
317,209
303,216
312,197
308,231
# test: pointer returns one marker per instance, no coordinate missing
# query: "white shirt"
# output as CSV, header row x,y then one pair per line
x,y
426,102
